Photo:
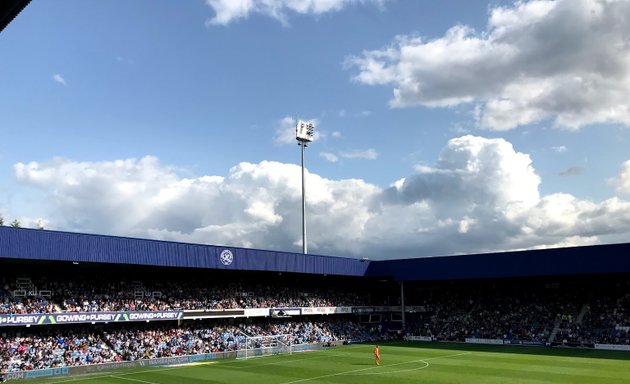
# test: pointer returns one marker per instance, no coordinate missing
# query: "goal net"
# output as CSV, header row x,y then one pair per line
x,y
256,346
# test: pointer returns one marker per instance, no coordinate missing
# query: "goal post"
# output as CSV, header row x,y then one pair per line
x,y
256,346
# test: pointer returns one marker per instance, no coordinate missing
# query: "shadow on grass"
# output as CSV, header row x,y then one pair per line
x,y
522,350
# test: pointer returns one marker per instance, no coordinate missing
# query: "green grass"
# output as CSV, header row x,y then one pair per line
x,y
400,363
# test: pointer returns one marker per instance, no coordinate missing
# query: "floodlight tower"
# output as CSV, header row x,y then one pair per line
x,y
304,132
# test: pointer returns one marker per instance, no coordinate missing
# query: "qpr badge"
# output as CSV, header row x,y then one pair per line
x,y
226,257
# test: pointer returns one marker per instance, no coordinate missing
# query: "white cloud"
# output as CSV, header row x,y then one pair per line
x,y
572,171
59,79
344,113
482,173
560,148
285,133
622,183
423,168
367,154
329,156
227,11
566,60
480,195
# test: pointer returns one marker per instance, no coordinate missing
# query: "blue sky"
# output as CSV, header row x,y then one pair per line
x,y
443,127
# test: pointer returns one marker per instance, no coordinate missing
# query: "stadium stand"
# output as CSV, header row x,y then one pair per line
x,y
67,347
577,312
76,300
96,295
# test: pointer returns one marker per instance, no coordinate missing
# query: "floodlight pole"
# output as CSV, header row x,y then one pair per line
x,y
303,145
304,132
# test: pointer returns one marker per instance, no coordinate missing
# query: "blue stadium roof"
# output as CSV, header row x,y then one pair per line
x,y
588,260
33,244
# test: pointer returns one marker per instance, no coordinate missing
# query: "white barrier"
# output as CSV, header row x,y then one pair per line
x,y
474,340
613,347
418,338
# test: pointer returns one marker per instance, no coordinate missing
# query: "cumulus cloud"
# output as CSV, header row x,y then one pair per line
x,y
480,195
473,176
560,148
227,11
59,79
565,60
622,184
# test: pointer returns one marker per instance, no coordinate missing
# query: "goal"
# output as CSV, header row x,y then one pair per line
x,y
256,346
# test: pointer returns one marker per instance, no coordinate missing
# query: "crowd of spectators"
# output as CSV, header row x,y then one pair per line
x,y
607,320
572,332
551,317
304,332
26,305
21,304
68,346
50,350
102,296
515,317
167,341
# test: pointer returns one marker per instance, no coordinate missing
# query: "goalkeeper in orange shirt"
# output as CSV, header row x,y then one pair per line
x,y
377,356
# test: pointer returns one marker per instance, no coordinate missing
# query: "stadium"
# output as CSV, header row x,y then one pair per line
x,y
93,308
99,308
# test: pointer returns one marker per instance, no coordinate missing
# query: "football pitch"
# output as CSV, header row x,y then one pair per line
x,y
400,363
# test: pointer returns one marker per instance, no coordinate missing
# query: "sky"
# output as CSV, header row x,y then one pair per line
x,y
442,127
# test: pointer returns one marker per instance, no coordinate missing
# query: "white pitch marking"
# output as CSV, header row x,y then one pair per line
x,y
130,379
426,365
365,369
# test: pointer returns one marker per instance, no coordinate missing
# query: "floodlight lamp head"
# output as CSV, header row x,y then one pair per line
x,y
304,131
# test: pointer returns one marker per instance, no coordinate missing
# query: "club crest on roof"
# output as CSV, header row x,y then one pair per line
x,y
226,257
